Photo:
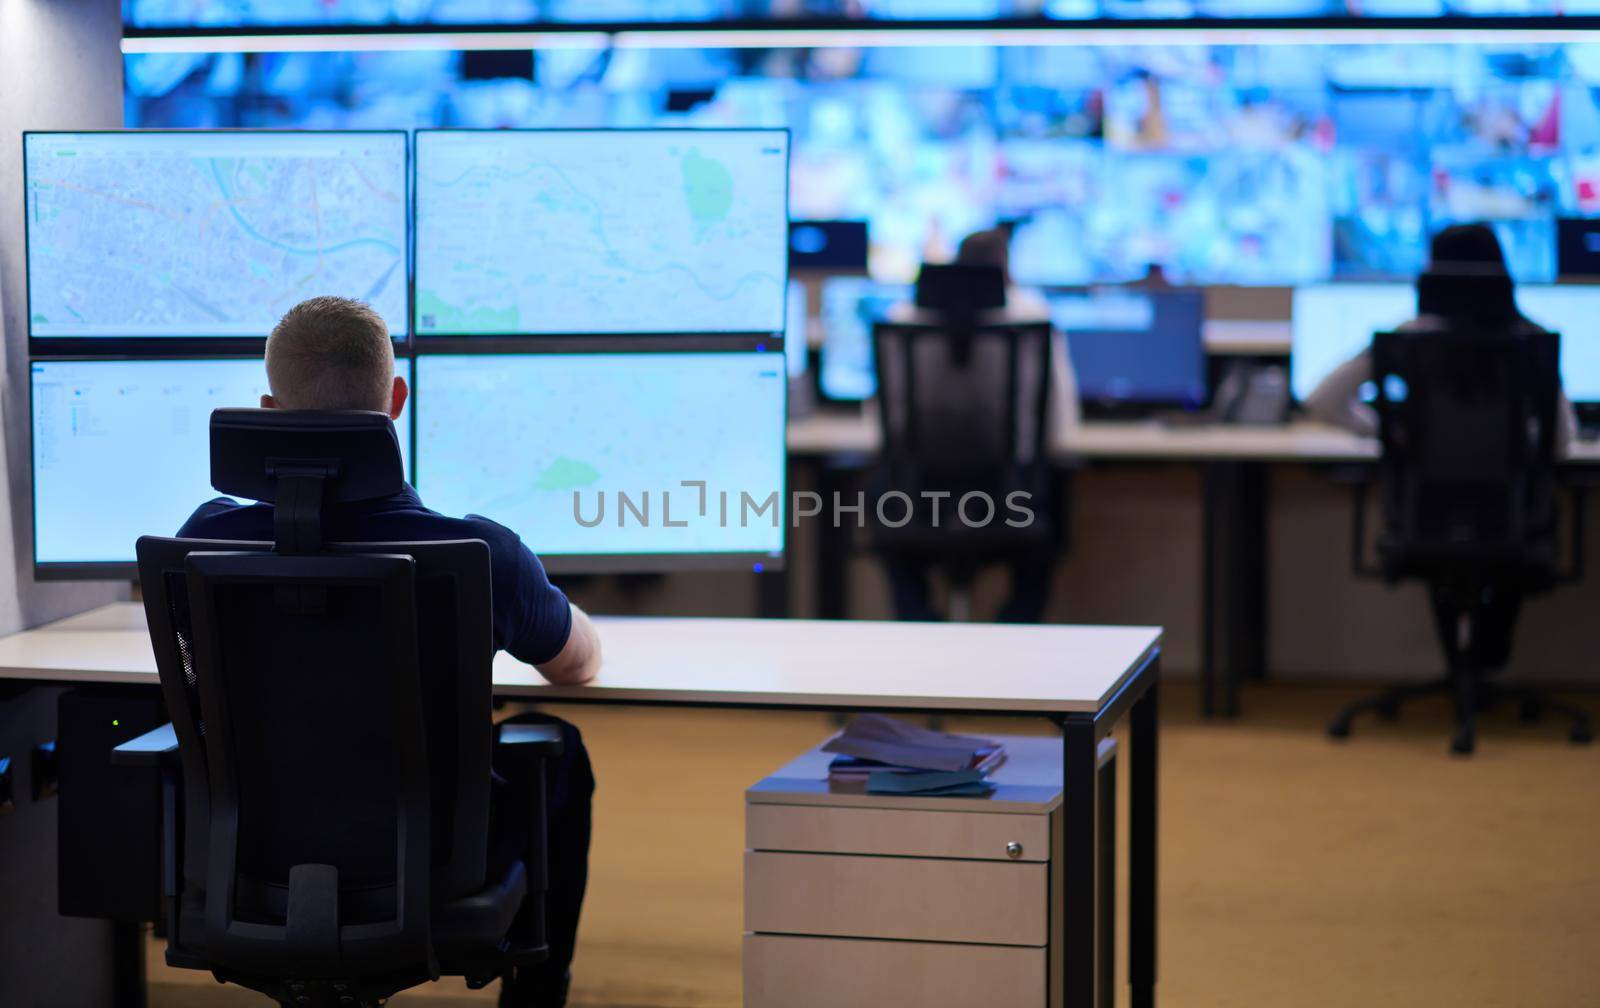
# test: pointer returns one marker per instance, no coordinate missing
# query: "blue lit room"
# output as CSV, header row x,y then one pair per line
x,y
799,503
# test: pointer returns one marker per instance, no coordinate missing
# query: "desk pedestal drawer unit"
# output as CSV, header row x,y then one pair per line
x,y
855,900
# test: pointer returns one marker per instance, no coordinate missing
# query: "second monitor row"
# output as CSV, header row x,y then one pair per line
x,y
595,460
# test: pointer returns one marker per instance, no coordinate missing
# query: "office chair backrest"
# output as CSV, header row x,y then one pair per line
x,y
960,290
1467,425
963,401
335,747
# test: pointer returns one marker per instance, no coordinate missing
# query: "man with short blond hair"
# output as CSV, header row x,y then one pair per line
x,y
332,353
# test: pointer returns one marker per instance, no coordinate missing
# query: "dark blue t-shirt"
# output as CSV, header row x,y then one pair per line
x,y
531,616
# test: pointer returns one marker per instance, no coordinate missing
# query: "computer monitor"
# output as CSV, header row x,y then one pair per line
x,y
611,461
206,235
593,232
846,371
1333,322
1132,348
121,449
1330,323
1571,310
837,245
795,350
1578,247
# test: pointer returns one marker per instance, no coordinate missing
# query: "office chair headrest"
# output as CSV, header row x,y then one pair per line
x,y
1468,292
961,290
354,453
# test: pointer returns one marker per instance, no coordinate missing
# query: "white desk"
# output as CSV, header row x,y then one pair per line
x,y
745,662
1298,441
1084,679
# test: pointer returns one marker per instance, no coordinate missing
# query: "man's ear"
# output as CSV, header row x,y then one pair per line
x,y
398,403
267,402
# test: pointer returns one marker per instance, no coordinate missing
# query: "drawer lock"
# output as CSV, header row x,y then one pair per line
x,y
1013,850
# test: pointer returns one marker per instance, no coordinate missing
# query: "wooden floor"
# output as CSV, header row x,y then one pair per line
x,y
1295,870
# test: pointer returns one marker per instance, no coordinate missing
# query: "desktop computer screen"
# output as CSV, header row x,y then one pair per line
x,y
846,371
1133,347
586,232
121,449
209,234
1330,323
1333,322
611,460
1573,310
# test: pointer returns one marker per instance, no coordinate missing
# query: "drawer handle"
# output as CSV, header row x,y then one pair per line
x,y
1013,850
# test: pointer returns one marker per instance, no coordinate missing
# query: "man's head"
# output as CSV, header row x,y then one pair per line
x,y
1470,245
332,353
991,247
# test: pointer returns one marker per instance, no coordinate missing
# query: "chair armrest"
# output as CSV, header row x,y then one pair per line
x,y
148,749
541,741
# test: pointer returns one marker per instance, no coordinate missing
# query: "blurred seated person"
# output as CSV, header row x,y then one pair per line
x,y
332,353
1339,400
1030,579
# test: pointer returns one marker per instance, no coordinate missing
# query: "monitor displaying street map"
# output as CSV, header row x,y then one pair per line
x,y
210,234
588,232
121,448
608,454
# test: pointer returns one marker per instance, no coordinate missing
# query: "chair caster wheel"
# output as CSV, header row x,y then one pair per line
x,y
1388,712
1530,710
1462,745
1582,735
1339,728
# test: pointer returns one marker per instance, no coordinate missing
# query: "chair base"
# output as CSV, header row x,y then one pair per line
x,y
1472,694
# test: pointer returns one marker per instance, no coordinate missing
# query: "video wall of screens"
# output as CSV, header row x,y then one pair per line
x,y
247,13
1266,164
583,232
161,236
158,262
1334,322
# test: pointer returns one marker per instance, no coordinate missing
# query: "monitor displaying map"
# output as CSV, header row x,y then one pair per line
x,y
121,449
638,455
210,234
586,232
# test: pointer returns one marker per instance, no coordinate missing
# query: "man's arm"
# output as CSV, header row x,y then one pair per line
x,y
579,659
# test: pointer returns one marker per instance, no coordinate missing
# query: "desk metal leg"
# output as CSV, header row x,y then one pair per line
x,y
1080,879
127,965
1233,597
1142,780
833,546
1210,518
1106,933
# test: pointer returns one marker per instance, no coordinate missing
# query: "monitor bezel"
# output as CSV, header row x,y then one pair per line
x,y
643,562
177,347
636,340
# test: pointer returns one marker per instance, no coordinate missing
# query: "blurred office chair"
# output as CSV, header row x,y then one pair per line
x,y
1468,485
962,406
332,839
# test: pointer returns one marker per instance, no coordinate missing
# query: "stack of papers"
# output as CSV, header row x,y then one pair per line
x,y
892,757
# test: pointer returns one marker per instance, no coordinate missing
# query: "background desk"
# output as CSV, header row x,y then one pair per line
x,y
1084,679
1232,461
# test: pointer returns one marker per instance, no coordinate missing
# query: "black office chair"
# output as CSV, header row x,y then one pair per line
x,y
1468,484
332,839
962,409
